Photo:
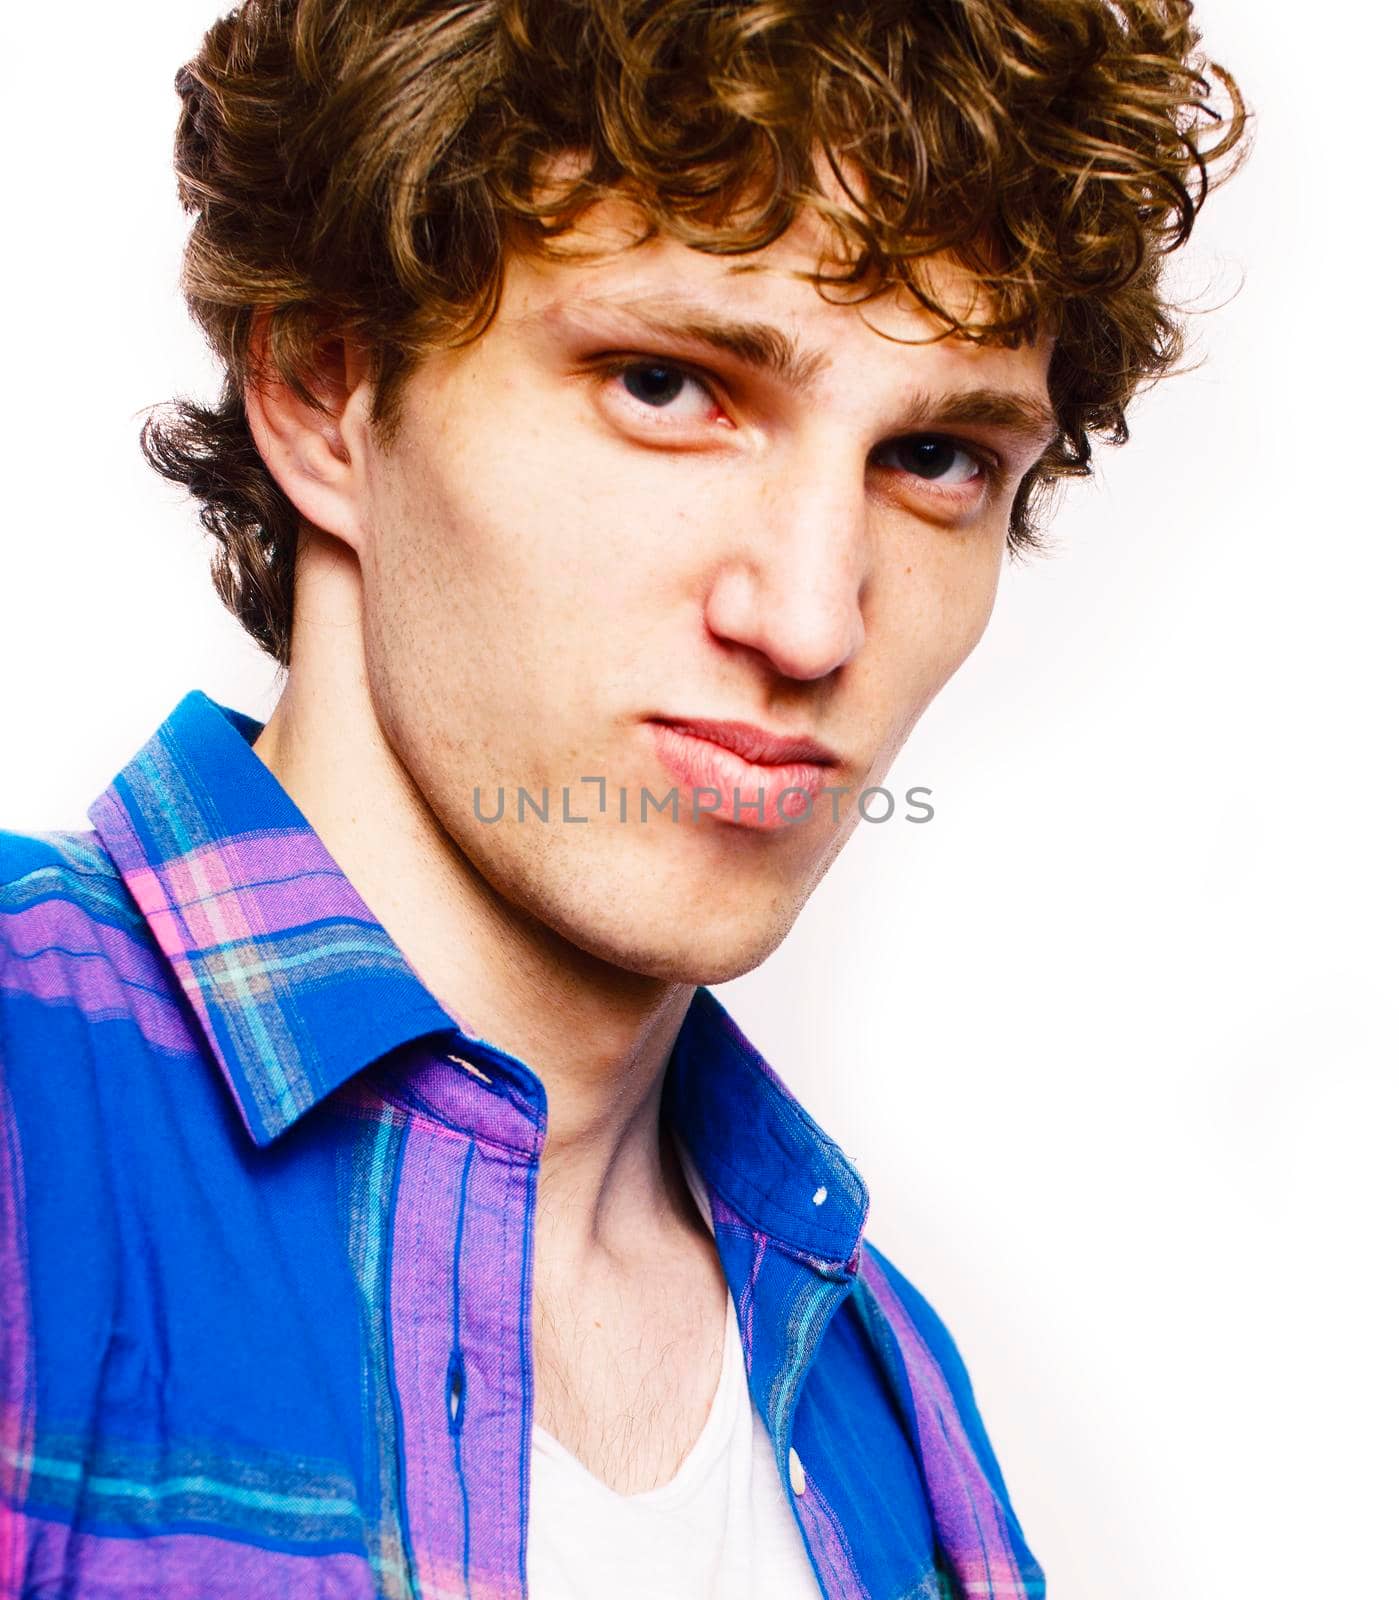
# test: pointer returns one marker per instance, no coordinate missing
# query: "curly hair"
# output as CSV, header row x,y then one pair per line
x,y
365,166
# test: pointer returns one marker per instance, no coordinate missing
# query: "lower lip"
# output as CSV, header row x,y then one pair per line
x,y
750,795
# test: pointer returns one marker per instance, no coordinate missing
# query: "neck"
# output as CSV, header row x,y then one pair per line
x,y
597,1036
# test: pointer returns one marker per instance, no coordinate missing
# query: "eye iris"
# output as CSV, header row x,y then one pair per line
x,y
927,458
654,386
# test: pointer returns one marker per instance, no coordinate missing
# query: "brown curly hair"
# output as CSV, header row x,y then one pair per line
x,y
363,167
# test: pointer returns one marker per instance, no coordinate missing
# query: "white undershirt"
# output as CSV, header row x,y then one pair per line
x,y
721,1529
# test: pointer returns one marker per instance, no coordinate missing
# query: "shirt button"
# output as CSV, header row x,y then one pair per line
x,y
796,1472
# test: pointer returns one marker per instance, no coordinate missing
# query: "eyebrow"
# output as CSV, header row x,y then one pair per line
x,y
1028,419
759,345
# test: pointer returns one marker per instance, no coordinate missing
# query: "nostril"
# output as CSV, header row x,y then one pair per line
x,y
456,1388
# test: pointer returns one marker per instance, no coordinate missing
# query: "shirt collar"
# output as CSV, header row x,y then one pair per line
x,y
297,986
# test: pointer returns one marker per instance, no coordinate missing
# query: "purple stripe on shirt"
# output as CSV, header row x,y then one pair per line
x,y
61,954
465,1487
427,1201
458,1094
148,891
17,1387
193,906
258,884
835,1564
494,1320
232,889
966,1512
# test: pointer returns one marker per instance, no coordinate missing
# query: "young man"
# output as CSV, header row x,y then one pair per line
x,y
628,409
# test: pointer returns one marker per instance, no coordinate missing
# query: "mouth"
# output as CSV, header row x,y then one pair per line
x,y
754,778
755,745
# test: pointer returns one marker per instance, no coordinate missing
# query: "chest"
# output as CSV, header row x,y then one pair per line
x,y
627,1359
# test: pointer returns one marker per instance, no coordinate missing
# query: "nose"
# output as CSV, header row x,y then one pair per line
x,y
793,580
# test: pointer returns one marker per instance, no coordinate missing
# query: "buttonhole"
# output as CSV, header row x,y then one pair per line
x,y
474,1070
456,1385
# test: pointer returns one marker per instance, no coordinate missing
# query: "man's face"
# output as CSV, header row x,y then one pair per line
x,y
664,488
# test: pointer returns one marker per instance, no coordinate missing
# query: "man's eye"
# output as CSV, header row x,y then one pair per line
x,y
656,386
936,460
662,387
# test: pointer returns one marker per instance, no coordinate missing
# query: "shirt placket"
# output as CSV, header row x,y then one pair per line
x,y
785,1301
458,1316
828,1545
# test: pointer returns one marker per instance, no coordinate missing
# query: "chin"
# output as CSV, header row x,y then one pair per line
x,y
711,950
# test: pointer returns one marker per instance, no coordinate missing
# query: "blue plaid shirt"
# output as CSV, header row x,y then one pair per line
x,y
265,1243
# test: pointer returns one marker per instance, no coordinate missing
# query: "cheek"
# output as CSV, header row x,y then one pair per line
x,y
491,508
499,585
973,599
938,599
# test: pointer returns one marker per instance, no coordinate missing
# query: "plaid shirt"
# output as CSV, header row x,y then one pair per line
x,y
266,1215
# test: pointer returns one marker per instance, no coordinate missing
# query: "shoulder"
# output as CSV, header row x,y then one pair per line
x,y
898,1299
38,869
60,893
72,940
976,1527
90,1019
921,1354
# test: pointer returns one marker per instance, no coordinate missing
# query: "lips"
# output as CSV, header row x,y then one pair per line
x,y
763,780
756,745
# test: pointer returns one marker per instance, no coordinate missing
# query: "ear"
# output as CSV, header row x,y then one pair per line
x,y
314,444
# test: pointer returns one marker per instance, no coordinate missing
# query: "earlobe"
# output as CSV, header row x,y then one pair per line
x,y
311,442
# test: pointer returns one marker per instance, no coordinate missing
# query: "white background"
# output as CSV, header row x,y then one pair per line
x,y
1113,1038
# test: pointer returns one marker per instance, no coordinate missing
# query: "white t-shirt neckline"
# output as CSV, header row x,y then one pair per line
x,y
721,1529
727,1409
